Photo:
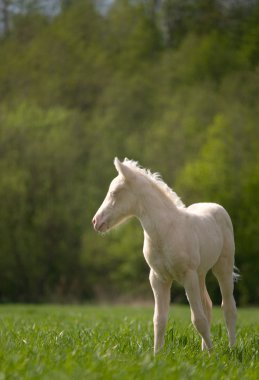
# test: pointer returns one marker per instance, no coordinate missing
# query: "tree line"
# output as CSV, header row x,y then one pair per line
x,y
174,87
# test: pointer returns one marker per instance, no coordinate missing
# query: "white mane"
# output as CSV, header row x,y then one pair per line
x,y
155,179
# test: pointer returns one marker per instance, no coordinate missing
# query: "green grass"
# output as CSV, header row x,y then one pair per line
x,y
90,342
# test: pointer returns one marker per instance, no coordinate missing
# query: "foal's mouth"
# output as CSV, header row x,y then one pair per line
x,y
102,228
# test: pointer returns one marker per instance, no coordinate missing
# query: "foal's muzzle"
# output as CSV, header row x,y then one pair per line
x,y
99,224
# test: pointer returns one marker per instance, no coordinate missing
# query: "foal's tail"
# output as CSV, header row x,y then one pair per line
x,y
236,275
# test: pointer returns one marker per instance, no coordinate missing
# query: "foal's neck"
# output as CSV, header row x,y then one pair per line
x,y
157,212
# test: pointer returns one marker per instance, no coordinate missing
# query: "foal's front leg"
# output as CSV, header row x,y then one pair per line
x,y
161,292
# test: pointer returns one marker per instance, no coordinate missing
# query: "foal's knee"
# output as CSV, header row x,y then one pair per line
x,y
159,321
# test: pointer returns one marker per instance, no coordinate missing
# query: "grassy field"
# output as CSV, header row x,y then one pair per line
x,y
90,342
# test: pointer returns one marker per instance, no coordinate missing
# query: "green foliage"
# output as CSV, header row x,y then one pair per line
x,y
40,215
116,343
120,250
176,89
212,165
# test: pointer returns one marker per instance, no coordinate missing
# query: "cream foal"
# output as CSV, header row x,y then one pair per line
x,y
180,243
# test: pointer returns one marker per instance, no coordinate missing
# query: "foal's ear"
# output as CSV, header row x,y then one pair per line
x,y
117,164
123,169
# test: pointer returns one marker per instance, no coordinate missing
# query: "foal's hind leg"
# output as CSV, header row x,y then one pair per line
x,y
224,274
199,318
206,302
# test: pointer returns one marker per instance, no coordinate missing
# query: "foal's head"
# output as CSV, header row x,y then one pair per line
x,y
120,202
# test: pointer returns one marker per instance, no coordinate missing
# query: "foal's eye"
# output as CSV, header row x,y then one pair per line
x,y
113,194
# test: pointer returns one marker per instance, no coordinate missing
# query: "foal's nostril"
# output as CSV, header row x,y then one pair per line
x,y
94,221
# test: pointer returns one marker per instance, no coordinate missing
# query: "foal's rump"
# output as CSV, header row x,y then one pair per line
x,y
214,230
